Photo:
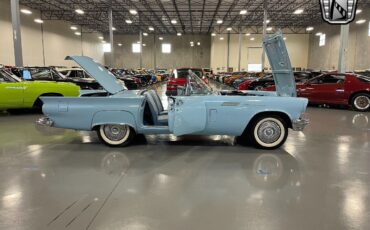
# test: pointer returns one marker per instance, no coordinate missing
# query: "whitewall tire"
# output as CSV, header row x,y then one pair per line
x,y
115,134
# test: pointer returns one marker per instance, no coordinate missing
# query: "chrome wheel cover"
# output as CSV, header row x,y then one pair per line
x,y
362,102
269,131
116,132
258,88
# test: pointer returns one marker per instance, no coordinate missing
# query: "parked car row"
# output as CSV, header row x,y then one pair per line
x,y
178,78
135,79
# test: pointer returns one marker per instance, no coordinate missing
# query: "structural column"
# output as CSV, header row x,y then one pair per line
x,y
155,52
240,50
263,35
343,48
228,52
141,49
17,39
110,18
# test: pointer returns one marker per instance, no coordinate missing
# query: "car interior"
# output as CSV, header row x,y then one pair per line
x,y
154,113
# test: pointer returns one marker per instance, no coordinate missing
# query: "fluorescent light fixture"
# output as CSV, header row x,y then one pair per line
x,y
144,44
242,12
38,20
173,21
310,28
114,28
119,44
221,38
178,34
198,43
26,11
107,48
145,34
160,38
219,21
248,34
79,11
128,21
166,48
78,33
229,28
361,21
267,21
191,44
284,38
151,28
298,11
133,11
101,37
318,33
252,39
73,27
358,11
269,28
213,34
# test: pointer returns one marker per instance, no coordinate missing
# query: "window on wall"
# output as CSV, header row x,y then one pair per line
x,y
166,48
322,39
136,48
106,48
368,33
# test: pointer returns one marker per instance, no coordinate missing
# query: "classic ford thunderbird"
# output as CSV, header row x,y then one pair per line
x,y
259,118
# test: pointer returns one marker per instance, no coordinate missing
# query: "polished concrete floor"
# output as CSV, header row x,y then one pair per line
x,y
63,179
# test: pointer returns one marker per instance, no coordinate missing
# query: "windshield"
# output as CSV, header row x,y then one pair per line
x,y
5,76
196,86
363,78
183,73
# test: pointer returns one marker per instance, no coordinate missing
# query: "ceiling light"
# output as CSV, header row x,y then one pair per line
x,y
25,11
310,28
213,34
252,39
73,27
138,42
151,28
298,11
79,11
358,11
113,28
219,21
144,44
128,21
101,37
198,43
178,34
248,34
269,28
103,41
191,44
160,38
119,44
133,11
221,38
242,12
284,38
229,28
173,21
360,21
145,34
267,21
318,33
37,20
78,33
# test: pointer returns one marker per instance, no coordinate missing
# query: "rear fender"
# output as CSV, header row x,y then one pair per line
x,y
113,117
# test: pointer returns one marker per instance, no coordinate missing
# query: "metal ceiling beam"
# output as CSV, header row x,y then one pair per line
x,y
214,15
178,15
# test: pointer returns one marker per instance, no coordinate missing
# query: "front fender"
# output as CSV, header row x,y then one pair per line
x,y
113,117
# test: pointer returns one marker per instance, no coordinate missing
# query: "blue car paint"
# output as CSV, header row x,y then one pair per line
x,y
206,114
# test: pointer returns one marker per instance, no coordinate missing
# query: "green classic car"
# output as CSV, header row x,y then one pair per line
x,y
18,94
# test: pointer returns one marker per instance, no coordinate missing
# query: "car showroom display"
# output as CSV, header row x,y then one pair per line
x,y
260,118
18,94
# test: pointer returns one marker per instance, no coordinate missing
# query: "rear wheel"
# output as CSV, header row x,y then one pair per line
x,y
267,132
258,88
361,102
116,135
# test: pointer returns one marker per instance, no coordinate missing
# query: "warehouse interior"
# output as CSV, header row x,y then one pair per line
x,y
57,173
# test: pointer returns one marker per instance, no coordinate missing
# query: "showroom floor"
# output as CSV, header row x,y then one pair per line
x,y
64,179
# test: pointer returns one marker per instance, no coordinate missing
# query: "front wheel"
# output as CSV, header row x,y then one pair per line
x,y
116,135
267,132
361,102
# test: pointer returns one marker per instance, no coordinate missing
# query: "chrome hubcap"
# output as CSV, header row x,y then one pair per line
x,y
269,132
258,88
362,102
115,132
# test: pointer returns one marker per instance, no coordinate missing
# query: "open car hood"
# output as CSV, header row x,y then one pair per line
x,y
277,54
105,78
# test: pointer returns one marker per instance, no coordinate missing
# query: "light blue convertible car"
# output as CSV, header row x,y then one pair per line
x,y
260,118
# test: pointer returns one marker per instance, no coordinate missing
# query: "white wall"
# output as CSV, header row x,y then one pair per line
x,y
297,45
326,57
59,41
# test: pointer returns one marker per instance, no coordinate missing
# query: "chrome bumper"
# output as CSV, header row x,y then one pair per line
x,y
44,121
299,124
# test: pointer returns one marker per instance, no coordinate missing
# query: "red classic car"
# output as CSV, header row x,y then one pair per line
x,y
178,78
337,89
